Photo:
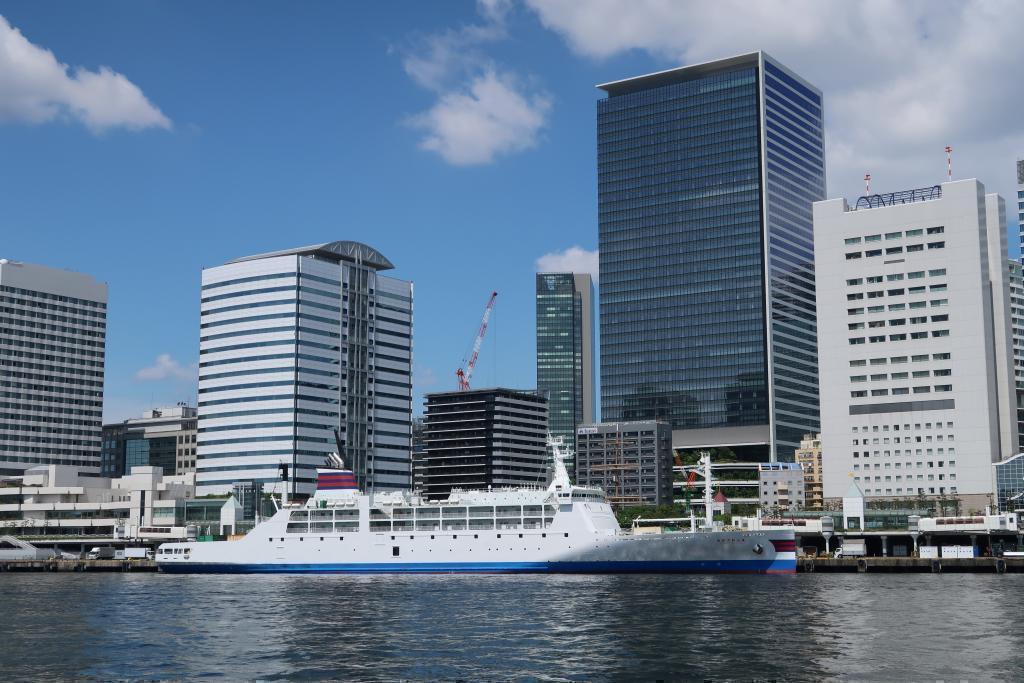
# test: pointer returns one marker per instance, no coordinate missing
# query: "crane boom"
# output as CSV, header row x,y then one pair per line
x,y
464,376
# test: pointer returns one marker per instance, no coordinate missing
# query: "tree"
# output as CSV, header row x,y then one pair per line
x,y
690,457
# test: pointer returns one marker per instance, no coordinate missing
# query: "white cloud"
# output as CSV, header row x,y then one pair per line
x,y
901,78
490,118
36,88
166,367
572,260
482,111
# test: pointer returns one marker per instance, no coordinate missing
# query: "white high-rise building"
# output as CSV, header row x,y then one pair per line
x,y
916,379
53,327
298,347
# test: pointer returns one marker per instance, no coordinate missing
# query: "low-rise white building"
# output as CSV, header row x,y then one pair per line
x,y
781,485
913,305
59,500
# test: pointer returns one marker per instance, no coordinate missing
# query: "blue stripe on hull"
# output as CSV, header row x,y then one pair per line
x,y
681,567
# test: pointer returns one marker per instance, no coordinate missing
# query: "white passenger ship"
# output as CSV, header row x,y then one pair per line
x,y
563,528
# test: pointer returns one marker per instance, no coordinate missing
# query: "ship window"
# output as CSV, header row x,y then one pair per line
x,y
299,514
394,550
481,512
297,527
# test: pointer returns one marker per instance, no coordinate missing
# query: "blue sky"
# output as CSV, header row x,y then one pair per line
x,y
457,138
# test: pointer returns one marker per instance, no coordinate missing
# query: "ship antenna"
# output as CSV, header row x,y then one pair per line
x,y
560,479
705,461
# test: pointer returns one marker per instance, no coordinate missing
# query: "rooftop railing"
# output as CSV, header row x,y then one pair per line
x,y
920,194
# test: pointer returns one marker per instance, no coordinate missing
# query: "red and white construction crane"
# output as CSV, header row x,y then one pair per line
x,y
464,376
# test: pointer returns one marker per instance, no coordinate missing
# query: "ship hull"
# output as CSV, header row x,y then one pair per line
x,y
777,566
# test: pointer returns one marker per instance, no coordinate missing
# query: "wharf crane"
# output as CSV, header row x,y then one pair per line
x,y
465,375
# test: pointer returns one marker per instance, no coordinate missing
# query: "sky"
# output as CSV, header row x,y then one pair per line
x,y
143,141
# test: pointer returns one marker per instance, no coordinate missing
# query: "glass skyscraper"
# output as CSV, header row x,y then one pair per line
x,y
565,350
706,175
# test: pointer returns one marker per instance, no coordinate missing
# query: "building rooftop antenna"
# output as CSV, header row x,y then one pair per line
x,y
949,164
867,183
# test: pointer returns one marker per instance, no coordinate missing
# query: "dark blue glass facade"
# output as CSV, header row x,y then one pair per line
x,y
1010,484
705,181
563,350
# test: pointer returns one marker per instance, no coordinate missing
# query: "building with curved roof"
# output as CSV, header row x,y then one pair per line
x,y
304,352
342,250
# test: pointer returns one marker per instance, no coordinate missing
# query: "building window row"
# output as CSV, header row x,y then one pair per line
x,y
52,297
869,253
917,232
914,305
900,291
877,339
901,391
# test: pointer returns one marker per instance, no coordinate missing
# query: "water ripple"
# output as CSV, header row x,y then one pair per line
x,y
545,628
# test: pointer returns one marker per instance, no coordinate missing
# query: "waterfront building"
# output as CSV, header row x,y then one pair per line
x,y
300,349
913,304
808,456
1017,330
565,351
1009,478
62,500
781,486
112,450
484,438
706,176
52,340
630,461
163,437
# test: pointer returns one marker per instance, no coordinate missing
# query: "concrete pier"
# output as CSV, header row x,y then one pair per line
x,y
923,565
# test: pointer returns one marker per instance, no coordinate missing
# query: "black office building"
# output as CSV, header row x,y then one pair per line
x,y
484,438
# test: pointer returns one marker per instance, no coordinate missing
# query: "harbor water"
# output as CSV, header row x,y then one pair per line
x,y
501,627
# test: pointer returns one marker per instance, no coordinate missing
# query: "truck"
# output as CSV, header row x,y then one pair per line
x,y
101,553
852,547
138,553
